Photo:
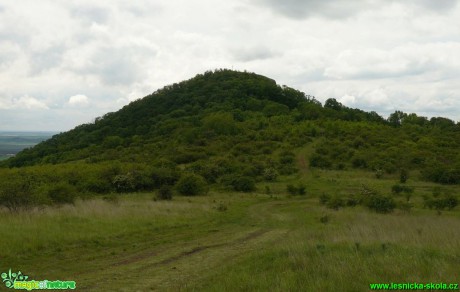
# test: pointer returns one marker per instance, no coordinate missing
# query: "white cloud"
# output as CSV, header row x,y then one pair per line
x,y
78,100
24,102
347,100
386,54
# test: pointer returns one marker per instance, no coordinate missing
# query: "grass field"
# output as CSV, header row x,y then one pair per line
x,y
236,242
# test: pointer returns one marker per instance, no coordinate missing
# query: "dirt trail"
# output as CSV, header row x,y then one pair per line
x,y
173,267
178,267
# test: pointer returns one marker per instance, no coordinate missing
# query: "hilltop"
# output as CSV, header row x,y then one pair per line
x,y
233,130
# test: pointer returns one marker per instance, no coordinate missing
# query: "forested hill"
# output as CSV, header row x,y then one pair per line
x,y
187,109
226,123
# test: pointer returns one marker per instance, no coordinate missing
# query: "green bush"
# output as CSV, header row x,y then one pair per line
x,y
19,194
270,174
296,190
324,198
96,185
62,193
124,183
403,175
191,185
336,202
165,193
381,204
244,184
320,161
397,189
440,203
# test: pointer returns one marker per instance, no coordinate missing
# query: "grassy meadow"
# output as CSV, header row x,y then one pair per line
x,y
267,240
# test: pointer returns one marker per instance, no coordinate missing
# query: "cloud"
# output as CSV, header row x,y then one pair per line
x,y
407,60
338,9
78,100
91,13
372,54
438,5
347,100
247,54
24,102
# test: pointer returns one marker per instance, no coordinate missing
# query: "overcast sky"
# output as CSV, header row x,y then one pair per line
x,y
63,63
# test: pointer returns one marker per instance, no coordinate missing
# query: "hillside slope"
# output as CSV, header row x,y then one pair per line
x,y
232,130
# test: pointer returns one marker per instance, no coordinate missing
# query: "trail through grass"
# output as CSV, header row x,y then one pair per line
x,y
259,243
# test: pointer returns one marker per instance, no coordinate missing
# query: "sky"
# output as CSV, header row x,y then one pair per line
x,y
64,63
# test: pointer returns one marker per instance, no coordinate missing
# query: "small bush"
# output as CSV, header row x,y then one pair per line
x,y
244,184
296,190
165,193
270,174
335,203
191,185
440,203
62,193
124,183
320,161
324,219
397,189
403,175
352,200
291,189
324,198
381,204
17,195
359,162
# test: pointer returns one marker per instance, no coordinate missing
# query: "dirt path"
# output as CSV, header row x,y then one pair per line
x,y
173,266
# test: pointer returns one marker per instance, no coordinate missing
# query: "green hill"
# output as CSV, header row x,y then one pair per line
x,y
232,130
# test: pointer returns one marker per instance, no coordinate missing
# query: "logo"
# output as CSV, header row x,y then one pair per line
x,y
20,281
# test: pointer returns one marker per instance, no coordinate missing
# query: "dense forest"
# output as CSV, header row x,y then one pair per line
x,y
226,130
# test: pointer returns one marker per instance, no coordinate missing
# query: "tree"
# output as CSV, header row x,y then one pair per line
x,y
396,118
332,103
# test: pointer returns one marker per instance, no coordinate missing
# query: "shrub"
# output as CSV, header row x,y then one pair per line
x,y
446,202
163,176
97,185
286,157
335,203
291,189
62,193
239,183
124,183
403,175
324,198
191,185
17,194
359,163
164,193
244,184
296,190
381,204
397,189
320,161
270,174
352,200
